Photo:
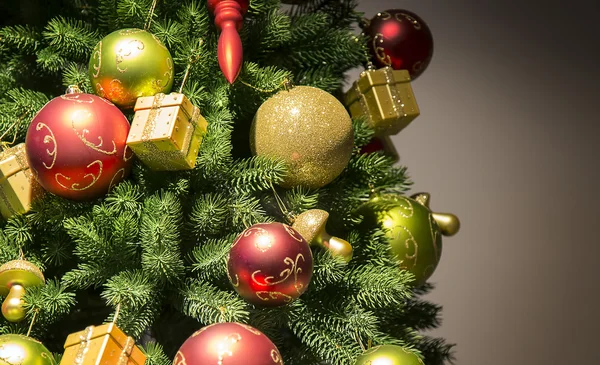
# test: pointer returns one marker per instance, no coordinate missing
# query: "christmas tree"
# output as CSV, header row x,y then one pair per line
x,y
205,167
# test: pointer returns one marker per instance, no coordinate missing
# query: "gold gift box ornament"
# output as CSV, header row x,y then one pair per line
x,y
101,345
18,187
385,97
166,132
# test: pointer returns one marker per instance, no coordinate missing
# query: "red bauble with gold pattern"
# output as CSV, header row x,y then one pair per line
x,y
400,39
228,343
270,264
76,146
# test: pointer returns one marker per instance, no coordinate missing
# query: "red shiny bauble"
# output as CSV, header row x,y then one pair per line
x,y
76,146
270,264
400,39
228,343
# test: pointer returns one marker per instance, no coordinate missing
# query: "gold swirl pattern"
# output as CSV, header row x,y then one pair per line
x,y
265,296
126,51
82,137
384,15
252,330
179,358
434,235
224,347
405,210
129,31
100,91
411,19
248,232
131,154
48,139
293,233
380,51
159,42
76,186
294,269
276,357
112,181
158,84
97,56
78,98
417,66
408,243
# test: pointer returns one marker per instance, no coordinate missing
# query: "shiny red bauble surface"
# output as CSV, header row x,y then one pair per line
x,y
228,343
76,146
400,39
270,264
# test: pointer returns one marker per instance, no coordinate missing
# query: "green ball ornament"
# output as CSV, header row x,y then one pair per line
x,y
388,355
23,350
414,232
128,64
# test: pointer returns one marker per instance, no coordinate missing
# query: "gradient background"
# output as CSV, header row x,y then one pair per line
x,y
506,140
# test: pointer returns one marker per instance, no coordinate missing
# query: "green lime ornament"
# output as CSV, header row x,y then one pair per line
x,y
128,64
388,355
23,350
414,232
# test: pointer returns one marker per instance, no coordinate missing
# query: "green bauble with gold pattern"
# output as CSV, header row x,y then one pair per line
x,y
413,231
128,64
388,355
23,350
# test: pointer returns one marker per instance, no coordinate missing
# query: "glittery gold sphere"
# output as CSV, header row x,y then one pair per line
x,y
23,350
310,130
388,355
130,63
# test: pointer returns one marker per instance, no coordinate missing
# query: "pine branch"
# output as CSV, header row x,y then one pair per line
x,y
210,259
72,39
155,354
209,305
22,37
257,174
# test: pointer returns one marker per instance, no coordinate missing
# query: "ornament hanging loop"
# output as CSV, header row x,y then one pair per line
x,y
150,15
117,310
191,60
32,321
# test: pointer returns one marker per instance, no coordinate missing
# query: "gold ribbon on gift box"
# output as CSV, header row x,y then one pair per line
x,y
167,143
18,188
385,97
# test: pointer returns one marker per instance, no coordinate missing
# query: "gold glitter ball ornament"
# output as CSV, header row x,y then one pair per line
x,y
128,64
23,350
310,130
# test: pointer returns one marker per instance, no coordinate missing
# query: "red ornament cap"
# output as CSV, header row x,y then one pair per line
x,y
229,19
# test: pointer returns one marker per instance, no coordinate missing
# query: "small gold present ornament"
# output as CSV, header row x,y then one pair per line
x,y
385,97
105,344
166,132
18,187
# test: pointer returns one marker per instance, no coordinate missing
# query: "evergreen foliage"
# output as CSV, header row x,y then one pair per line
x,y
157,243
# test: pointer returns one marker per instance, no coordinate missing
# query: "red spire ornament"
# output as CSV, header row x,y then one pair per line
x,y
229,19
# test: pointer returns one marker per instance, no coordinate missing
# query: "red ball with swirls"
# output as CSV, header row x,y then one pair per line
x,y
270,264
228,343
76,146
401,40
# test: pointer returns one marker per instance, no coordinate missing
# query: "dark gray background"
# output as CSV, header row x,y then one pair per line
x,y
506,140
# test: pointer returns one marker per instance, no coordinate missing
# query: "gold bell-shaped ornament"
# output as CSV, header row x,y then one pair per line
x,y
311,225
15,277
